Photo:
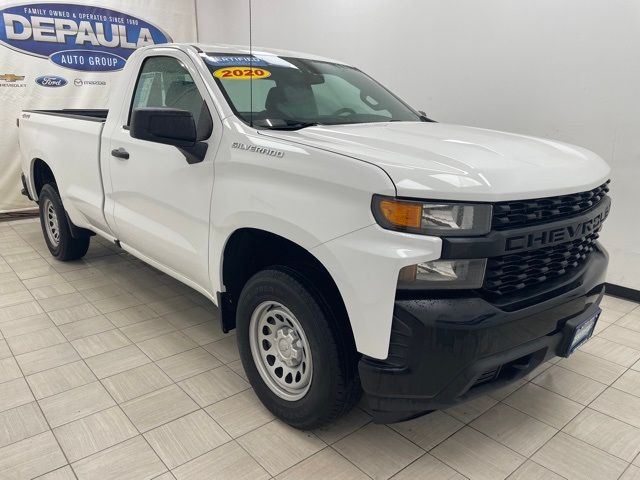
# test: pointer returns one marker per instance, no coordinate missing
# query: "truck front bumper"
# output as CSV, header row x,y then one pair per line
x,y
446,350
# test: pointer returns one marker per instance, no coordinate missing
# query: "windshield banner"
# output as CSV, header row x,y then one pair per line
x,y
56,55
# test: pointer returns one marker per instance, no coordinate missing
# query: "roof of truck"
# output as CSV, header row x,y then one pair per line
x,y
256,50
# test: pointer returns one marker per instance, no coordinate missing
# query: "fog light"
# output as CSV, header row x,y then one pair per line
x,y
443,274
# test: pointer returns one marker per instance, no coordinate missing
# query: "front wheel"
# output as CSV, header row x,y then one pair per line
x,y
296,356
55,227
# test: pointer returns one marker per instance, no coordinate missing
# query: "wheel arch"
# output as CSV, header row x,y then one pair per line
x,y
41,174
249,250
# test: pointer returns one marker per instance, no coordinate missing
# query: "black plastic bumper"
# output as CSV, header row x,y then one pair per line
x,y
447,350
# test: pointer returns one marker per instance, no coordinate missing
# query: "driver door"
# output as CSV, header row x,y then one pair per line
x,y
161,203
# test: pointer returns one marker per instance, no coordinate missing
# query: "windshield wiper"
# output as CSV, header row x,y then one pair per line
x,y
291,126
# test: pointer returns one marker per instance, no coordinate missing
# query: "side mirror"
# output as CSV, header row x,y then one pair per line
x,y
170,126
164,125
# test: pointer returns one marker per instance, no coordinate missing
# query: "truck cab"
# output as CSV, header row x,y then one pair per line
x,y
354,244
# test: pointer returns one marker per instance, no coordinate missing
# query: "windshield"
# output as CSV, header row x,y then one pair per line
x,y
289,92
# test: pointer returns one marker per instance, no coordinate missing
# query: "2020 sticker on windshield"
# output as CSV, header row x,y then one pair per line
x,y
241,73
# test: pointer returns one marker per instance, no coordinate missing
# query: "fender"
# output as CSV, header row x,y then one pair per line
x,y
267,223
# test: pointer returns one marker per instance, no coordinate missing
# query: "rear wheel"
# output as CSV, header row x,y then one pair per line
x,y
56,229
293,350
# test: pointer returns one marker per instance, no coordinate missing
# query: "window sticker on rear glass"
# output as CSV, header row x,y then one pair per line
x,y
234,60
241,73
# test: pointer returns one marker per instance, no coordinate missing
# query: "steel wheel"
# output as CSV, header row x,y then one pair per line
x,y
280,350
51,223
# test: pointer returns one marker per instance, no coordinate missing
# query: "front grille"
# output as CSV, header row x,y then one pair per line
x,y
543,210
515,272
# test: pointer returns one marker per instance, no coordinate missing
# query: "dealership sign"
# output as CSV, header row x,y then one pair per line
x,y
78,37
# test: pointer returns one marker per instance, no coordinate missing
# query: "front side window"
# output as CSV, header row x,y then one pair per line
x,y
278,92
164,82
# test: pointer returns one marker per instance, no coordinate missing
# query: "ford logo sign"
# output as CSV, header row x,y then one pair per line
x,y
78,37
51,81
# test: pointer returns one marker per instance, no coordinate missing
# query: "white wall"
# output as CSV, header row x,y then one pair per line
x,y
568,70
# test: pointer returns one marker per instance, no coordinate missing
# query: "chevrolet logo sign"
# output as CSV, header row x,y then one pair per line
x,y
10,77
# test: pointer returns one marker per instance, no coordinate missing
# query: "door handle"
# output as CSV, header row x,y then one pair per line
x,y
120,153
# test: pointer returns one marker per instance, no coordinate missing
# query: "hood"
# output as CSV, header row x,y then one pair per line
x,y
452,162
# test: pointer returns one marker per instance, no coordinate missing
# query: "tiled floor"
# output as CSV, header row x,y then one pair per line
x,y
111,370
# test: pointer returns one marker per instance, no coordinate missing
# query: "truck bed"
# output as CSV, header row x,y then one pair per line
x,y
69,142
92,115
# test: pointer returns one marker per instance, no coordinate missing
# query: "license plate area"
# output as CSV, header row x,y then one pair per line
x,y
578,330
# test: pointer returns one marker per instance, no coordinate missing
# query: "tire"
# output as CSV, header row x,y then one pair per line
x,y
55,227
330,356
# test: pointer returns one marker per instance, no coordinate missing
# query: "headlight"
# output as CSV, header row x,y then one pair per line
x,y
432,218
443,274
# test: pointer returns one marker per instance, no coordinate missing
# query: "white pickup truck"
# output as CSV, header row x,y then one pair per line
x,y
354,244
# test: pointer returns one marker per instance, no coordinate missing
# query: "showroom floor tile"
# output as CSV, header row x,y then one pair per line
x,y
111,370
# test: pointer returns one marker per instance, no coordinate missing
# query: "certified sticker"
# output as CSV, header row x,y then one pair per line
x,y
241,73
